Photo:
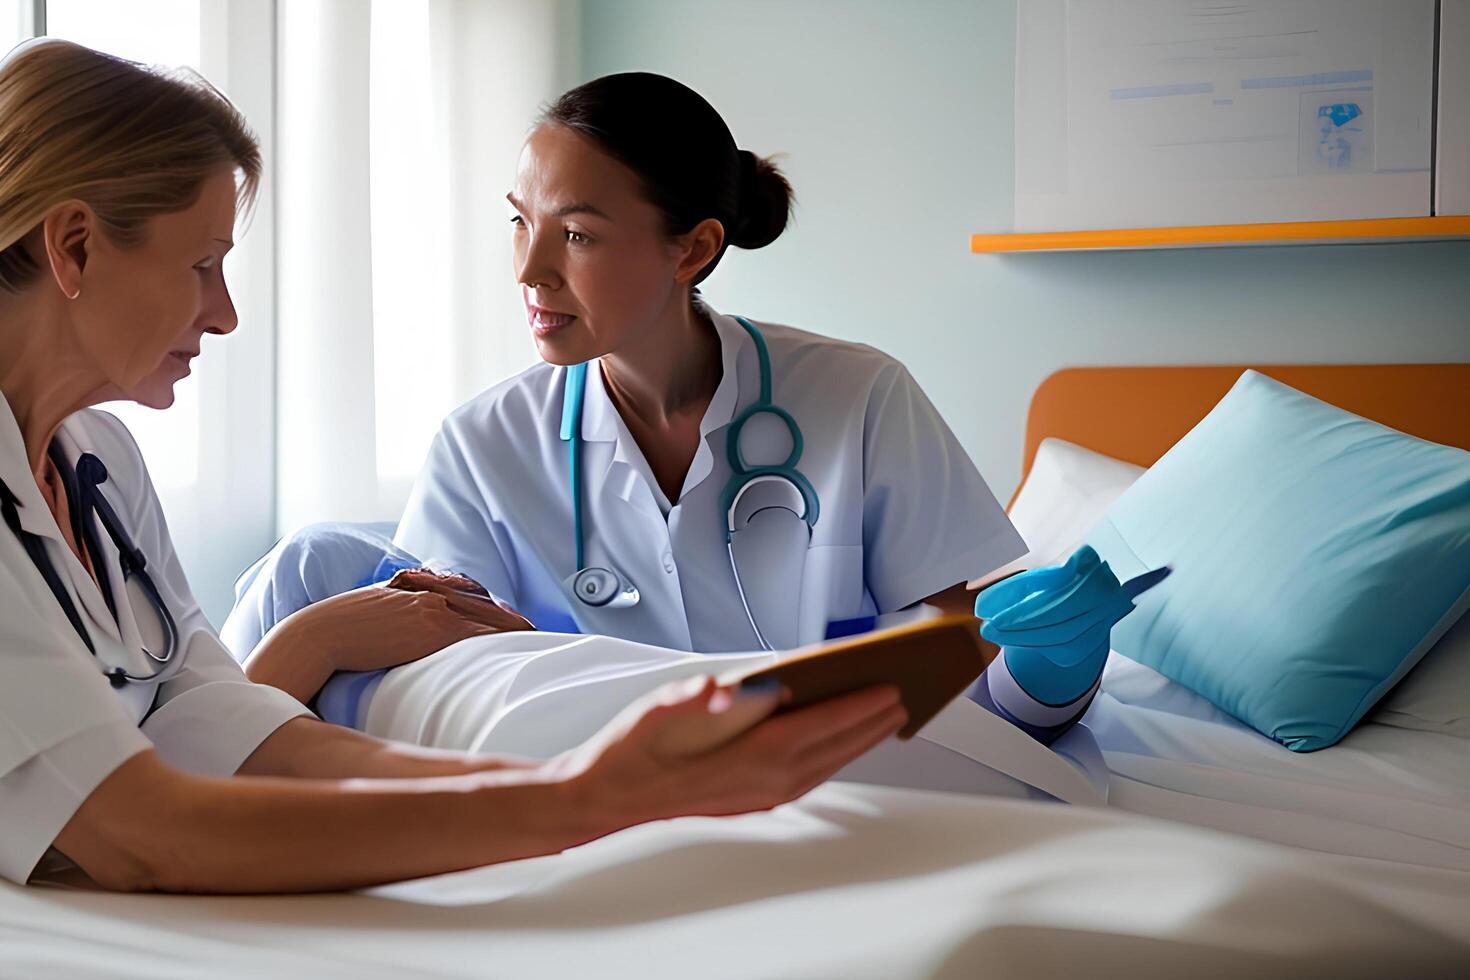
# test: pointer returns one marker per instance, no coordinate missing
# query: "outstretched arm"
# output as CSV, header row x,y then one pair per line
x,y
306,748
149,827
689,750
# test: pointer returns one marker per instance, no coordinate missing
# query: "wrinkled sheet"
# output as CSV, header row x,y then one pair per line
x,y
538,694
853,881
1382,792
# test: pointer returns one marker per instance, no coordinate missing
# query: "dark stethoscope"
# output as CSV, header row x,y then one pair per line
x,y
84,497
751,492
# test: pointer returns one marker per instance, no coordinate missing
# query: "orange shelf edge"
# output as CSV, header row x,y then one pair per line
x,y
1293,232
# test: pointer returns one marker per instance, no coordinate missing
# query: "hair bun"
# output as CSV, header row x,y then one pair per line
x,y
765,203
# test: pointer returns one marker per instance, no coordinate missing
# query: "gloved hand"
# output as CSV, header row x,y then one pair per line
x,y
1053,626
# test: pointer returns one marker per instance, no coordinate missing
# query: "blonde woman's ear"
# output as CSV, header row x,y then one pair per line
x,y
64,234
136,141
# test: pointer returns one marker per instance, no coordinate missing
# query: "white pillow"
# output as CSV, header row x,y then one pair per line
x,y
1435,695
1066,493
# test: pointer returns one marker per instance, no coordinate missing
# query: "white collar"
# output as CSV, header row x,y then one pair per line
x,y
15,470
35,517
601,422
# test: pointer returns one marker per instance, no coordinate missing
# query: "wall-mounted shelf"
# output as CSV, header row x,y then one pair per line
x,y
1361,232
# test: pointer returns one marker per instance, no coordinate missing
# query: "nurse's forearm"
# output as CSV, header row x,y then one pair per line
x,y
290,660
305,748
369,629
148,827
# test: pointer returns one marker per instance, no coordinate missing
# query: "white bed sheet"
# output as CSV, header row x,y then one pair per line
x,y
851,882
1382,792
539,694
866,881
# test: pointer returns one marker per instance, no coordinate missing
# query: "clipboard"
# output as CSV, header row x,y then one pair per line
x,y
930,662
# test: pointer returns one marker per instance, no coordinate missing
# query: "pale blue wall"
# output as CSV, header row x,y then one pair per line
x,y
897,119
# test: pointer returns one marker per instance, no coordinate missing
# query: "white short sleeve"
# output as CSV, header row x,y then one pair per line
x,y
63,728
929,519
39,796
209,718
448,519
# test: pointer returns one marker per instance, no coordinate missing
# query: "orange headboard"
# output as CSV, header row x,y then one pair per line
x,y
1137,413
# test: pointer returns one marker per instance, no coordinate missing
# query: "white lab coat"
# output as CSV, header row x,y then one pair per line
x,y
63,728
903,511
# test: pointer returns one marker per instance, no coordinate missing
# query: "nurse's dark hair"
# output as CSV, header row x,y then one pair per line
x,y
683,152
130,141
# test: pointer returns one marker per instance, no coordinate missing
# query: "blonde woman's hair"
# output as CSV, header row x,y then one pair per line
x,y
131,141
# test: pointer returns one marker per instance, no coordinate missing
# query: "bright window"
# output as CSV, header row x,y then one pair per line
x,y
210,455
163,32
410,205
14,23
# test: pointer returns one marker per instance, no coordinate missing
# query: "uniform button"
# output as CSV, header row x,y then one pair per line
x,y
668,558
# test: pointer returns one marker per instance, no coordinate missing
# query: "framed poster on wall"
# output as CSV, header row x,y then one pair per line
x,y
1143,113
1452,118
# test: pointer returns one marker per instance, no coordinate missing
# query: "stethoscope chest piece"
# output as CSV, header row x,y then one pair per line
x,y
769,513
602,588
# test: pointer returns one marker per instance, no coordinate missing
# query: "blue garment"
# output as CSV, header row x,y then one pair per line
x,y
313,564
389,566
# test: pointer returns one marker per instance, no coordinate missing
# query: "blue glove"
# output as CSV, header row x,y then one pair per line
x,y
1053,626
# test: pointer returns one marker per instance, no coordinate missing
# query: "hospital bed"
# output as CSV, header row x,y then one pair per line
x,y
1383,792
1221,854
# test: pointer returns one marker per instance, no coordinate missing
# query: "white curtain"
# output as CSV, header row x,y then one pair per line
x,y
399,125
212,454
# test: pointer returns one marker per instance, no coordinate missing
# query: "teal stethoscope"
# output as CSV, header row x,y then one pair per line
x,y
755,495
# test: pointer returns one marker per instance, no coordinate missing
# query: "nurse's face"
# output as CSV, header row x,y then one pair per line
x,y
591,253
144,309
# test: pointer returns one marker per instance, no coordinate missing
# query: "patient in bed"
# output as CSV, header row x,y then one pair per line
x,y
522,691
328,559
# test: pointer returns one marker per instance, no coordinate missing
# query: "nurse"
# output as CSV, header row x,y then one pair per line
x,y
131,745
674,474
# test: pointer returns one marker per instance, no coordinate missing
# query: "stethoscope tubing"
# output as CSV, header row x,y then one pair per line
x,y
571,431
82,486
744,602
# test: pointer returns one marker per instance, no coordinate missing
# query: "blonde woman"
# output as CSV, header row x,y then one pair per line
x,y
130,744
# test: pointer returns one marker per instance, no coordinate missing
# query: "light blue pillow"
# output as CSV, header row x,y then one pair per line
x,y
1317,556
